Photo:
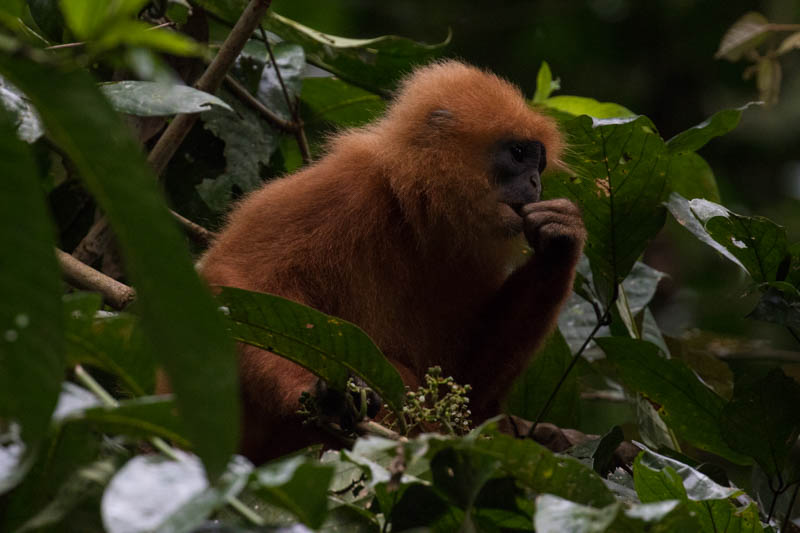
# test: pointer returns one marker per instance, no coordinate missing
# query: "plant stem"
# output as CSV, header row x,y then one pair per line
x,y
603,321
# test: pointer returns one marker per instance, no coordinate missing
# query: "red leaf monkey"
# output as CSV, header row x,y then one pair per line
x,y
408,227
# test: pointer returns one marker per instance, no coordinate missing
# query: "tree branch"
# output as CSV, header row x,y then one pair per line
x,y
244,95
82,276
177,130
292,104
209,82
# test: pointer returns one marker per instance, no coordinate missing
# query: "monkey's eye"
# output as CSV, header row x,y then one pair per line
x,y
517,152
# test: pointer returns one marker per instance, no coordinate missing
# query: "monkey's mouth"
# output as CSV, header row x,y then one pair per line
x,y
517,208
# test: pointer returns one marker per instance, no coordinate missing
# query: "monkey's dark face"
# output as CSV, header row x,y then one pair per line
x,y
516,167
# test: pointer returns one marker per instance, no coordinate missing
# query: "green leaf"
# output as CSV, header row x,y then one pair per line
x,y
717,124
460,475
84,19
691,177
779,304
538,469
557,515
249,145
31,328
763,404
153,493
177,312
152,99
296,484
544,84
693,214
29,125
660,478
375,64
619,179
756,244
327,346
336,101
47,16
690,408
142,417
114,344
743,36
531,391
69,447
136,33
580,105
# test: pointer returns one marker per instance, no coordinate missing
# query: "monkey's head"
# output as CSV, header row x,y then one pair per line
x,y
464,148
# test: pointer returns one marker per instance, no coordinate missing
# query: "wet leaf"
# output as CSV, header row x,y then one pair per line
x,y
152,99
581,105
153,493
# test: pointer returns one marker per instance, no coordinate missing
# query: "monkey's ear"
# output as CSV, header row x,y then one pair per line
x,y
441,119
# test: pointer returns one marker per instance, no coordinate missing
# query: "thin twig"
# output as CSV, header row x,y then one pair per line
x,y
794,333
244,95
81,43
196,232
785,524
82,276
600,323
292,104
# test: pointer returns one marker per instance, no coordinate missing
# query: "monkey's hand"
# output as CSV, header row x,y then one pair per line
x,y
346,407
554,228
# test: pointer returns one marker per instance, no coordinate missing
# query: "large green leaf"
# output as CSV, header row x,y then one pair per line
x,y
531,391
298,485
31,342
375,64
114,344
581,105
756,244
619,179
177,312
690,408
334,100
327,346
152,99
764,404
660,478
717,124
538,469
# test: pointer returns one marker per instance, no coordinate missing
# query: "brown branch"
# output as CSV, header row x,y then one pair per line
x,y
196,232
244,95
82,276
292,104
177,130
209,82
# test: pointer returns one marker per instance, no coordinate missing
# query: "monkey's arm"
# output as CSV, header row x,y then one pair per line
x,y
524,310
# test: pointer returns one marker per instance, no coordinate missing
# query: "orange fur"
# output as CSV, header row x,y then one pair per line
x,y
396,229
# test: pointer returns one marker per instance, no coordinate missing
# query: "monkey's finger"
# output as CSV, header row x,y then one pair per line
x,y
561,205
